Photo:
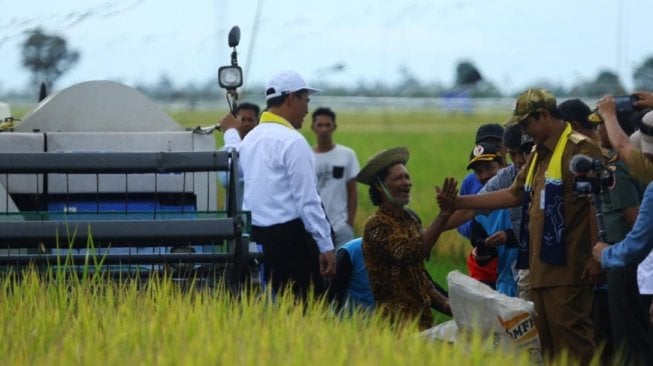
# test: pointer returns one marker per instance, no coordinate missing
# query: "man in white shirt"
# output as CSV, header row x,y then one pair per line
x,y
281,191
336,167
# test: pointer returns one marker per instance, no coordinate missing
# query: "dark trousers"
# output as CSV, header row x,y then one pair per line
x,y
564,321
631,329
290,258
601,323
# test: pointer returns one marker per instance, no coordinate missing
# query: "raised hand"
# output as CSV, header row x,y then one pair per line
x,y
606,106
229,121
645,99
446,196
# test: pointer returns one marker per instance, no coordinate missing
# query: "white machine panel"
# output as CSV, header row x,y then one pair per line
x,y
21,142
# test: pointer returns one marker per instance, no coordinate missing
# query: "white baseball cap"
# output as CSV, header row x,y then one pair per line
x,y
286,82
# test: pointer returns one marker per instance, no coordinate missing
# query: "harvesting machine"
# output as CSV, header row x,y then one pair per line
x,y
97,177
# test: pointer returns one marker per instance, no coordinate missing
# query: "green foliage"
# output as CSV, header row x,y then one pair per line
x,y
643,75
467,74
47,57
606,82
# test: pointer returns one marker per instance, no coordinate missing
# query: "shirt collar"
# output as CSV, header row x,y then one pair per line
x,y
269,117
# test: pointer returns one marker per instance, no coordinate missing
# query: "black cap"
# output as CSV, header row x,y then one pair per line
x,y
489,130
575,110
484,152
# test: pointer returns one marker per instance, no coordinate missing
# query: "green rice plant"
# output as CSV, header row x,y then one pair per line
x,y
97,321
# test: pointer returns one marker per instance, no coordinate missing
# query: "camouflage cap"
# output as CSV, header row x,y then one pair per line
x,y
530,101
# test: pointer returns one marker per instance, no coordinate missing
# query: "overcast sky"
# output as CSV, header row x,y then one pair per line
x,y
513,43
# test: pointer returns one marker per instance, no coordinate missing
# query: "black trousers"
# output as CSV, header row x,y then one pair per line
x,y
290,258
631,329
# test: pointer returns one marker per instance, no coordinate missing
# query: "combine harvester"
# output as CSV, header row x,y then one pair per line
x,y
97,177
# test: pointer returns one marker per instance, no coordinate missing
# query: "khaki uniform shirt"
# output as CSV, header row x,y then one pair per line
x,y
640,166
580,232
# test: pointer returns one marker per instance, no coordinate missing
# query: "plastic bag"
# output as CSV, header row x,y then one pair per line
x,y
508,321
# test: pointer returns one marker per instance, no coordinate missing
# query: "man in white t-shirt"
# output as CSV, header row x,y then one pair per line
x,y
336,167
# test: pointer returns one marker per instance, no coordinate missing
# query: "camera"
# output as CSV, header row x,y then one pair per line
x,y
625,103
592,179
590,175
484,254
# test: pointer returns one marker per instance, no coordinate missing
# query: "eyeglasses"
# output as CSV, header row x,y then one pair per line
x,y
524,123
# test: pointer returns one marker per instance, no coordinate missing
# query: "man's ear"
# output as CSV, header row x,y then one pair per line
x,y
290,100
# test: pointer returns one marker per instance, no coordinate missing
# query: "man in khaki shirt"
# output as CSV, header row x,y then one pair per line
x,y
561,265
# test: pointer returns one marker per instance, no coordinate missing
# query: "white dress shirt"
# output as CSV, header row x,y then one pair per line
x,y
280,182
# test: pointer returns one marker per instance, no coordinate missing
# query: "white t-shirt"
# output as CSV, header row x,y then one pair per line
x,y
645,275
280,185
334,169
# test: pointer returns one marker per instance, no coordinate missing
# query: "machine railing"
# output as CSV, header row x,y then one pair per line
x,y
48,238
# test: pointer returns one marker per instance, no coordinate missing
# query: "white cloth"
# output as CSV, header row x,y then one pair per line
x,y
280,183
645,275
232,142
231,139
334,169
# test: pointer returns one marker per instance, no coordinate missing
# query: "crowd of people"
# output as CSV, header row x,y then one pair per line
x,y
582,257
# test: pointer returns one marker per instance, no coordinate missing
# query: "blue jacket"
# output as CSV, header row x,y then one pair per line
x,y
359,291
639,241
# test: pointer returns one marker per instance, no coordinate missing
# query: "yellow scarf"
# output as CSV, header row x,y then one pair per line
x,y
552,250
269,117
554,171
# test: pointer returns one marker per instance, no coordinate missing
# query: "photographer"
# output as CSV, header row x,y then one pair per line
x,y
640,167
627,310
639,241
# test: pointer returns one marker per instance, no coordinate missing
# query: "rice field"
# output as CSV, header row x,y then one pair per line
x,y
59,320
47,320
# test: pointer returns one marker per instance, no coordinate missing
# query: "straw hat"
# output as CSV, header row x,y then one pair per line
x,y
380,161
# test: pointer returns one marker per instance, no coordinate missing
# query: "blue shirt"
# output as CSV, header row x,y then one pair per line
x,y
495,221
470,185
639,241
359,292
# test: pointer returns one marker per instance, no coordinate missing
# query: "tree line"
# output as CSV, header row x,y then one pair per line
x,y
47,57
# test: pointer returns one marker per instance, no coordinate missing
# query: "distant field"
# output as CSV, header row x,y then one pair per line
x,y
439,145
